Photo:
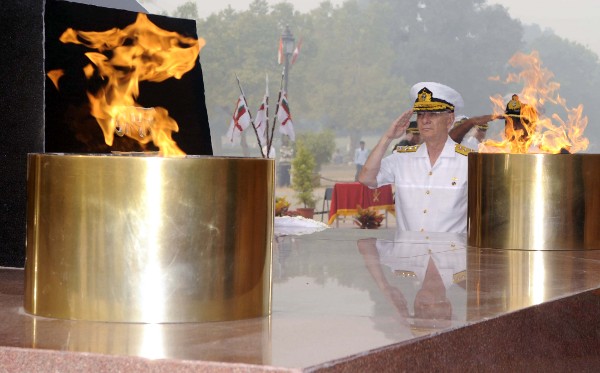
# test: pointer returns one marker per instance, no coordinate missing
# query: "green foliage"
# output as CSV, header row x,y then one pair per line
x,y
358,60
303,167
320,144
188,10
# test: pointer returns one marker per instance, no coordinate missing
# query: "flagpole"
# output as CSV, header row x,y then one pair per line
x,y
251,120
270,141
267,115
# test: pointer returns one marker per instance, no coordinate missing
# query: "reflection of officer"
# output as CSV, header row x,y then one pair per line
x,y
436,261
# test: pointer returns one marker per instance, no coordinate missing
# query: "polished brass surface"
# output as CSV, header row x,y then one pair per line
x,y
534,201
148,239
248,341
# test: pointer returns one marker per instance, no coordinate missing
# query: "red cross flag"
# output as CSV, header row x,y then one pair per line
x,y
239,122
285,118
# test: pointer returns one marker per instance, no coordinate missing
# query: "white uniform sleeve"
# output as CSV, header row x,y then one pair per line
x,y
386,171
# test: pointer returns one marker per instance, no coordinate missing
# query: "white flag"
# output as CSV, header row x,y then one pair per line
x,y
261,122
284,117
239,122
296,52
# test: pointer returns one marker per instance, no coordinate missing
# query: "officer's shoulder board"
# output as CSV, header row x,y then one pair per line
x,y
405,149
461,149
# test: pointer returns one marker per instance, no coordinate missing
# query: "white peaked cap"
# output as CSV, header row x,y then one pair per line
x,y
432,96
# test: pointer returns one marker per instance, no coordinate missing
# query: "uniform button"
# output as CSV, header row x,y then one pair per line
x,y
427,192
424,211
422,230
430,173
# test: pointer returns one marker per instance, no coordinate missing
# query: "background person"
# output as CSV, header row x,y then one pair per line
x,y
411,138
475,135
464,125
360,157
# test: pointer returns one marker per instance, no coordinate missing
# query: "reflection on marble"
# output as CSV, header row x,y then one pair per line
x,y
423,277
336,294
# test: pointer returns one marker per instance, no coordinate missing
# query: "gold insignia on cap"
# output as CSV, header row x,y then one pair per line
x,y
425,95
513,108
426,101
514,103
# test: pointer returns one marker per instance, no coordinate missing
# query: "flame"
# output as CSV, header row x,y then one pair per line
x,y
140,52
538,133
55,76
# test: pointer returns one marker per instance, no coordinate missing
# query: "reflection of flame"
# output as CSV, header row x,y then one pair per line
x,y
542,134
140,52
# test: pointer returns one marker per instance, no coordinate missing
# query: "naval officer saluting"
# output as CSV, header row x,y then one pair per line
x,y
431,178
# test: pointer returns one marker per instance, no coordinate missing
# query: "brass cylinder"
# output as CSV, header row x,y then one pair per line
x,y
247,341
534,201
125,238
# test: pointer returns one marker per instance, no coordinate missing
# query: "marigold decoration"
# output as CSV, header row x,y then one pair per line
x,y
368,218
281,206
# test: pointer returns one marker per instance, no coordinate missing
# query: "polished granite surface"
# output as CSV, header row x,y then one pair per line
x,y
336,294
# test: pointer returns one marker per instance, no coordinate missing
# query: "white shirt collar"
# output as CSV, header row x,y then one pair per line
x,y
448,151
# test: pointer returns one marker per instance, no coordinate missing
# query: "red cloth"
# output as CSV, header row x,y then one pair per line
x,y
347,196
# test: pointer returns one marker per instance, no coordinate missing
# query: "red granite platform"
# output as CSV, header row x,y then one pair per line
x,y
345,302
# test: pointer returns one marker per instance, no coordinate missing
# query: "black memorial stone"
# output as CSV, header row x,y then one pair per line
x,y
36,117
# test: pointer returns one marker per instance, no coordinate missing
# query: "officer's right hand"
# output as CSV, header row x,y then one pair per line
x,y
399,126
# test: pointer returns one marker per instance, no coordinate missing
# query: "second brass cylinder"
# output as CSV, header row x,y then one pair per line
x,y
534,201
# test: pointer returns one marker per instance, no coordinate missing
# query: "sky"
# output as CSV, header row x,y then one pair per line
x,y
576,20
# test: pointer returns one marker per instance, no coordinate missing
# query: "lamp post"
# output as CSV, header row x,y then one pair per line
x,y
288,41
285,151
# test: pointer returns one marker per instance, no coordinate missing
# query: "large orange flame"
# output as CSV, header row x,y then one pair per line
x,y
540,133
140,52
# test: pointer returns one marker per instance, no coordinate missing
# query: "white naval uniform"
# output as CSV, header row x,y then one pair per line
x,y
428,199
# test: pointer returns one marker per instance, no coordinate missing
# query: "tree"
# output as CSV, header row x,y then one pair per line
x,y
320,144
356,93
359,59
242,43
455,42
187,10
303,167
